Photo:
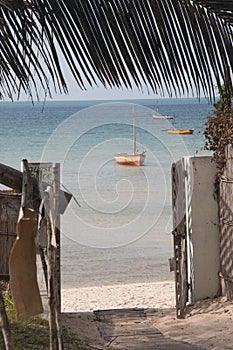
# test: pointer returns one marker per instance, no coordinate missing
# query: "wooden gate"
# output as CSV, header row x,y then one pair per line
x,y
9,211
226,224
180,243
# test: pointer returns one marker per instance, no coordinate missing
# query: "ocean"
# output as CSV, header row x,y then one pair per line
x,y
117,227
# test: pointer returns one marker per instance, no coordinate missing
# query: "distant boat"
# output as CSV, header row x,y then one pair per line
x,y
134,158
157,115
163,117
182,132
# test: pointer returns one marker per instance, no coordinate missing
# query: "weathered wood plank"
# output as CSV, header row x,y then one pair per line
x,y
179,241
11,177
118,314
130,329
9,212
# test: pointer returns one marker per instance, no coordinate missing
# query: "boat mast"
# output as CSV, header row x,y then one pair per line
x,y
134,129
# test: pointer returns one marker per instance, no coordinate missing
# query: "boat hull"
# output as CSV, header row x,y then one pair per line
x,y
163,117
130,159
182,132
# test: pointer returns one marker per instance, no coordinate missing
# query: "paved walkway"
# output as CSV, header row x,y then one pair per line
x,y
125,329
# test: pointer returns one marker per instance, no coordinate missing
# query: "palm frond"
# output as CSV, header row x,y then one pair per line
x,y
166,46
223,9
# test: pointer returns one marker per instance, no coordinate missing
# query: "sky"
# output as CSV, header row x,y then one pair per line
x,y
75,93
101,93
98,92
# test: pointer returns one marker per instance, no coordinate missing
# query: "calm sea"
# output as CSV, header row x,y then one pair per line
x,y
117,229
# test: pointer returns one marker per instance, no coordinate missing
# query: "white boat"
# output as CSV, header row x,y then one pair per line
x,y
157,115
163,117
134,158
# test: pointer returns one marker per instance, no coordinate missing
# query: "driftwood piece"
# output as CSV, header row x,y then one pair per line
x,y
4,323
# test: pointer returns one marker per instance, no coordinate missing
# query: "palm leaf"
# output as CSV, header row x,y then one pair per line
x,y
166,46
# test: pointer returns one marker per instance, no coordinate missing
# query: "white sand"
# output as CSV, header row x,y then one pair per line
x,y
208,324
145,295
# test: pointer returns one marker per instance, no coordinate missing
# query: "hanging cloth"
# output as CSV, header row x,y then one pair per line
x,y
22,266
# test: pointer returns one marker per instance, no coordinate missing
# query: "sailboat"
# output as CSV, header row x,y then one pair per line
x,y
134,158
157,115
163,116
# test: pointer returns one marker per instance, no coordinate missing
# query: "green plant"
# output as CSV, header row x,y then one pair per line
x,y
219,129
33,333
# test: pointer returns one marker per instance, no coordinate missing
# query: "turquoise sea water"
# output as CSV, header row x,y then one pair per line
x,y
121,233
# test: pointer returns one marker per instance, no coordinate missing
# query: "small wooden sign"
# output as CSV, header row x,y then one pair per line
x,y
43,172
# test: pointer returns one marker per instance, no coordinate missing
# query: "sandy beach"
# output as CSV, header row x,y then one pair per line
x,y
208,323
145,295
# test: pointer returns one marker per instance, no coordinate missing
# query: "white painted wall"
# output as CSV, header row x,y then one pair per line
x,y
197,190
205,230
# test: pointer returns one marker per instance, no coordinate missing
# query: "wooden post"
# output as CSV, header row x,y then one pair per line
x,y
53,251
51,289
4,323
226,224
56,173
179,241
27,187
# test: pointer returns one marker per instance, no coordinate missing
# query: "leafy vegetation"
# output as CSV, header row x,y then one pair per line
x,y
219,129
33,333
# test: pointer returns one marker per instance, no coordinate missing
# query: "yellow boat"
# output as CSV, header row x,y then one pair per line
x,y
182,132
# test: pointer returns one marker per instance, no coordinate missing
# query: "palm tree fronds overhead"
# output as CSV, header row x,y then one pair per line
x,y
167,46
223,9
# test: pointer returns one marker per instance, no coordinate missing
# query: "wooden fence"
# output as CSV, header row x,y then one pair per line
x,y
226,225
9,211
